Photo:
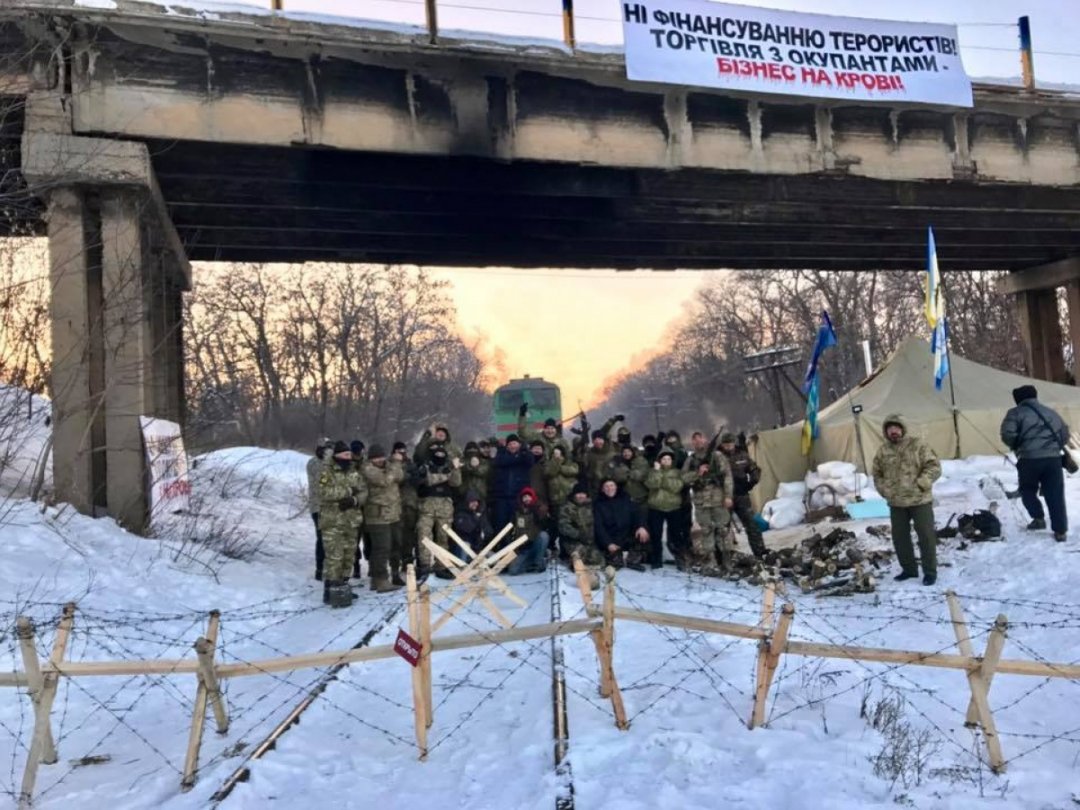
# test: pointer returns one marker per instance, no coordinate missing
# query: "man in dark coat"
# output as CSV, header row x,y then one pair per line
x,y
472,524
1038,435
617,524
511,473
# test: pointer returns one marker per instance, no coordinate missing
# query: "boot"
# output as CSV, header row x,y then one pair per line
x,y
1060,536
339,594
904,575
325,592
395,577
1036,525
929,579
383,586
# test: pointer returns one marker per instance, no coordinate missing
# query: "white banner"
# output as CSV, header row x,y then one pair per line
x,y
170,487
695,43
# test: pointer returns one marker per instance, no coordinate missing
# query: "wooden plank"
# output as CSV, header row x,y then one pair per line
x,y
420,711
425,651
608,634
52,680
203,647
582,574
685,622
963,644
980,686
24,631
761,686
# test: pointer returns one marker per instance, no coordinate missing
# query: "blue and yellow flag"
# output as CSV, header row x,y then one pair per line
x,y
935,314
826,337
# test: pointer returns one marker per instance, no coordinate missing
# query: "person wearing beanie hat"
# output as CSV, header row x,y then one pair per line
x,y
410,507
598,456
472,524
709,474
745,473
342,494
550,434
475,470
560,475
530,519
382,514
537,478
436,434
1039,437
665,484
622,436
577,529
905,469
511,472
315,465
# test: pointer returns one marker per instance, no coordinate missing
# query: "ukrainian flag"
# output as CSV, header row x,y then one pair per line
x,y
935,314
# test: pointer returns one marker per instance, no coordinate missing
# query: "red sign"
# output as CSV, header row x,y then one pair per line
x,y
408,647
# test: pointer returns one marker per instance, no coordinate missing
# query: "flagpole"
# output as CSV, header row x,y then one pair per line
x,y
948,357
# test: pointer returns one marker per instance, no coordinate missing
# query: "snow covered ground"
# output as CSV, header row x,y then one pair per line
x,y
688,694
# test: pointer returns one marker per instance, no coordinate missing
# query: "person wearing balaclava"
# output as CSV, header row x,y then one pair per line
x,y
342,494
1038,435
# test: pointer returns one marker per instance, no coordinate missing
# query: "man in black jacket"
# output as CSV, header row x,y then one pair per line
x,y
471,524
1038,435
617,524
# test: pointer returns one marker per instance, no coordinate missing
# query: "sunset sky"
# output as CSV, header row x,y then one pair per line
x,y
573,327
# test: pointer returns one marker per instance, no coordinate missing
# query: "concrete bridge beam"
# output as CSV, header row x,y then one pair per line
x,y
117,276
1036,293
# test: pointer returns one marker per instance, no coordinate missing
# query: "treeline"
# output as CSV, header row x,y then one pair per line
x,y
279,355
701,381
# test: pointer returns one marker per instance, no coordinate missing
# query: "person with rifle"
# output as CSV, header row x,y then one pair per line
x,y
598,455
746,474
709,475
550,435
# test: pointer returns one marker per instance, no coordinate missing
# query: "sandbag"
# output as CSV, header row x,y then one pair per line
x,y
836,469
791,489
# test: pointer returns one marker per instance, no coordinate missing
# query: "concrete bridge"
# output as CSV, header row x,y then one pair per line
x,y
147,138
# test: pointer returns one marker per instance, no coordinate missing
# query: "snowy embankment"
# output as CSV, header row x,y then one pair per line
x,y
688,694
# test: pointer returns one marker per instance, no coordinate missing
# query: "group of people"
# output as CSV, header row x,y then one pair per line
x,y
597,495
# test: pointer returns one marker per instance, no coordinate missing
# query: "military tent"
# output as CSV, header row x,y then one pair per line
x,y
905,385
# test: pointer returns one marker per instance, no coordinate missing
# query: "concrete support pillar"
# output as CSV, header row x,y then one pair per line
x,y
130,372
1072,300
73,234
1041,331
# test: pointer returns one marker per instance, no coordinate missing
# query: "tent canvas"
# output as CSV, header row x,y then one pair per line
x,y
905,385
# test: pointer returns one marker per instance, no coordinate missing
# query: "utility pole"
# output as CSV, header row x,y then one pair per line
x,y
771,364
657,404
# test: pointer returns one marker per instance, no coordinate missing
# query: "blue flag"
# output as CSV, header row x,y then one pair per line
x,y
935,314
826,337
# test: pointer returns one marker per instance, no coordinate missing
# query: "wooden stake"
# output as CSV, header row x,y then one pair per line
x,y
495,582
51,680
608,640
419,708
24,630
425,651
979,680
208,689
776,645
583,583
757,713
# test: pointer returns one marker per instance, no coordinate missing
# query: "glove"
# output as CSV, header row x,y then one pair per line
x,y
524,409
346,503
620,417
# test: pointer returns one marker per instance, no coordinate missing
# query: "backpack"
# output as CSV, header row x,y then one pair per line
x,y
982,525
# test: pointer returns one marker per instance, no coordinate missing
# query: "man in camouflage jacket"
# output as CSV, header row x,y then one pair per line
x,y
905,469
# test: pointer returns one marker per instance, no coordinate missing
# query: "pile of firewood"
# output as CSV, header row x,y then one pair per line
x,y
828,565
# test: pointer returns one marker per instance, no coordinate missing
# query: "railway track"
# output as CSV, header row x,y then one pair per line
x,y
269,742
564,797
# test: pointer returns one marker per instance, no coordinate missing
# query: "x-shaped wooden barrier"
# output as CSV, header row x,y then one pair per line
x,y
477,575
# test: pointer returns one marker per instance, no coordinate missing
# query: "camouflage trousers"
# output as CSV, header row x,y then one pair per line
x,y
339,544
384,544
589,553
434,513
712,545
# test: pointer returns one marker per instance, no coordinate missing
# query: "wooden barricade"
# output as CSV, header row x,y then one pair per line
x,y
41,678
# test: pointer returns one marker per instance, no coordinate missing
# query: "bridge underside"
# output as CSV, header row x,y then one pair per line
x,y
244,203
